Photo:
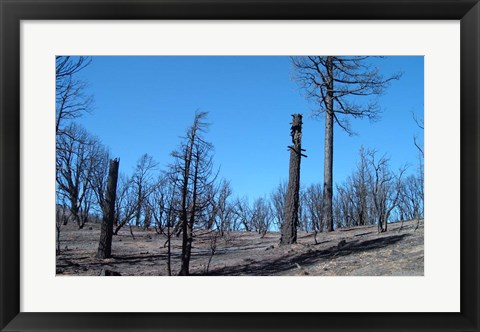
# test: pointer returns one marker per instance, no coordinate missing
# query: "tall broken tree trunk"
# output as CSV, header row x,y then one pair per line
x,y
108,209
289,225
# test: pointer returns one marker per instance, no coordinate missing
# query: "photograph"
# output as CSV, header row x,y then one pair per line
x,y
239,165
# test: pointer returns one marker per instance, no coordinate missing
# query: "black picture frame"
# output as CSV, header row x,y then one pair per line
x,y
13,11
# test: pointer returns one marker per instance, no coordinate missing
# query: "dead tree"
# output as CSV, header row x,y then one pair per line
x,y
314,206
71,99
261,216
171,217
386,190
192,170
221,208
61,217
337,84
77,155
108,209
142,183
165,209
289,226
419,147
277,197
244,213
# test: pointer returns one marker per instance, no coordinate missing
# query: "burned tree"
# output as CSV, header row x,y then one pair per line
x,y
108,209
289,226
277,197
386,189
133,194
73,144
420,177
313,198
261,216
71,99
244,213
142,184
192,171
77,155
221,209
164,206
337,84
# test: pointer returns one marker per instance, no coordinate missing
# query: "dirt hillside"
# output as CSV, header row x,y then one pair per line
x,y
358,251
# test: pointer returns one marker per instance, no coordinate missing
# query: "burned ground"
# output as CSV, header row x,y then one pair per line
x,y
358,251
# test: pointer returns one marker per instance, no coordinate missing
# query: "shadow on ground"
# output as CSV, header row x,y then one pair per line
x,y
312,256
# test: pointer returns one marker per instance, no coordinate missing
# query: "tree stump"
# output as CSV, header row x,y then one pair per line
x,y
108,209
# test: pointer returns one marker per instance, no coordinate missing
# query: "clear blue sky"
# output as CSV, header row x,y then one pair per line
x,y
144,104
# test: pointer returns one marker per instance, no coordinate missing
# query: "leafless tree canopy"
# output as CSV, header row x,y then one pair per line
x,y
277,197
78,158
344,78
71,98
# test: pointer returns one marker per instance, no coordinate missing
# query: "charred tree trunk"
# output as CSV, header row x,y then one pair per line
x,y
290,224
105,244
58,224
187,245
75,209
169,249
328,163
416,217
138,211
183,213
188,234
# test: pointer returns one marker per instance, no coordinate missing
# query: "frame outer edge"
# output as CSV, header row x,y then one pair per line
x,y
10,175
242,9
10,164
470,163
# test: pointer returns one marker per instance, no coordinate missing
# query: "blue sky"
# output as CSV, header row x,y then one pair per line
x,y
144,104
